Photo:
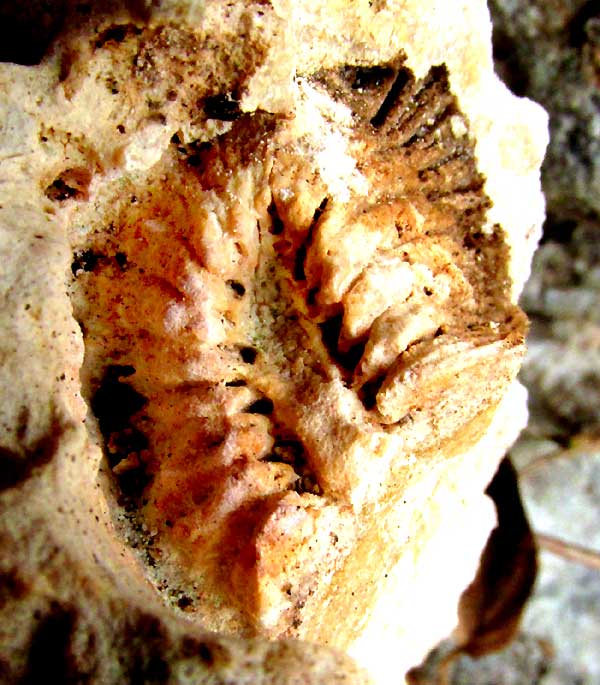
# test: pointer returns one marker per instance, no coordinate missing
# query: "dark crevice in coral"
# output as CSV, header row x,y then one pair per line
x,y
124,443
262,406
475,187
455,155
437,74
133,482
248,355
330,334
222,107
402,80
193,153
308,484
85,260
117,34
318,212
300,258
238,288
114,403
59,191
121,259
311,296
368,392
415,124
368,78
277,225
287,450
71,184
350,357
430,127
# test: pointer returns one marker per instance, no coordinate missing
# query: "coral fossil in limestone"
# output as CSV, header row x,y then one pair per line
x,y
297,307
280,309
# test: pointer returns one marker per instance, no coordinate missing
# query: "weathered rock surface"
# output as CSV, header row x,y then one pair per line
x,y
260,339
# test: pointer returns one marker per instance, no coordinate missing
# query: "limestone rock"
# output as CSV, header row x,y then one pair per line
x,y
260,336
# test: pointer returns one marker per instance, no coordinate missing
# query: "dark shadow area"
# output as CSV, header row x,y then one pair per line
x,y
508,63
28,28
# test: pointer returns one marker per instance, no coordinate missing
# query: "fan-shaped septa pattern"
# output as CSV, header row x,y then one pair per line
x,y
279,325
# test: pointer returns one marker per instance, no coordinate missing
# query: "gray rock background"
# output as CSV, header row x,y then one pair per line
x,y
549,51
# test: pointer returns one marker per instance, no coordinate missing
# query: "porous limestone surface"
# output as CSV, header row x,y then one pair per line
x,y
260,264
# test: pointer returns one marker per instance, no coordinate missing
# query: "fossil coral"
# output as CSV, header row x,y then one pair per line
x,y
294,258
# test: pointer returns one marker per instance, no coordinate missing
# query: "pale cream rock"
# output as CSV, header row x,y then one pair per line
x,y
315,196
